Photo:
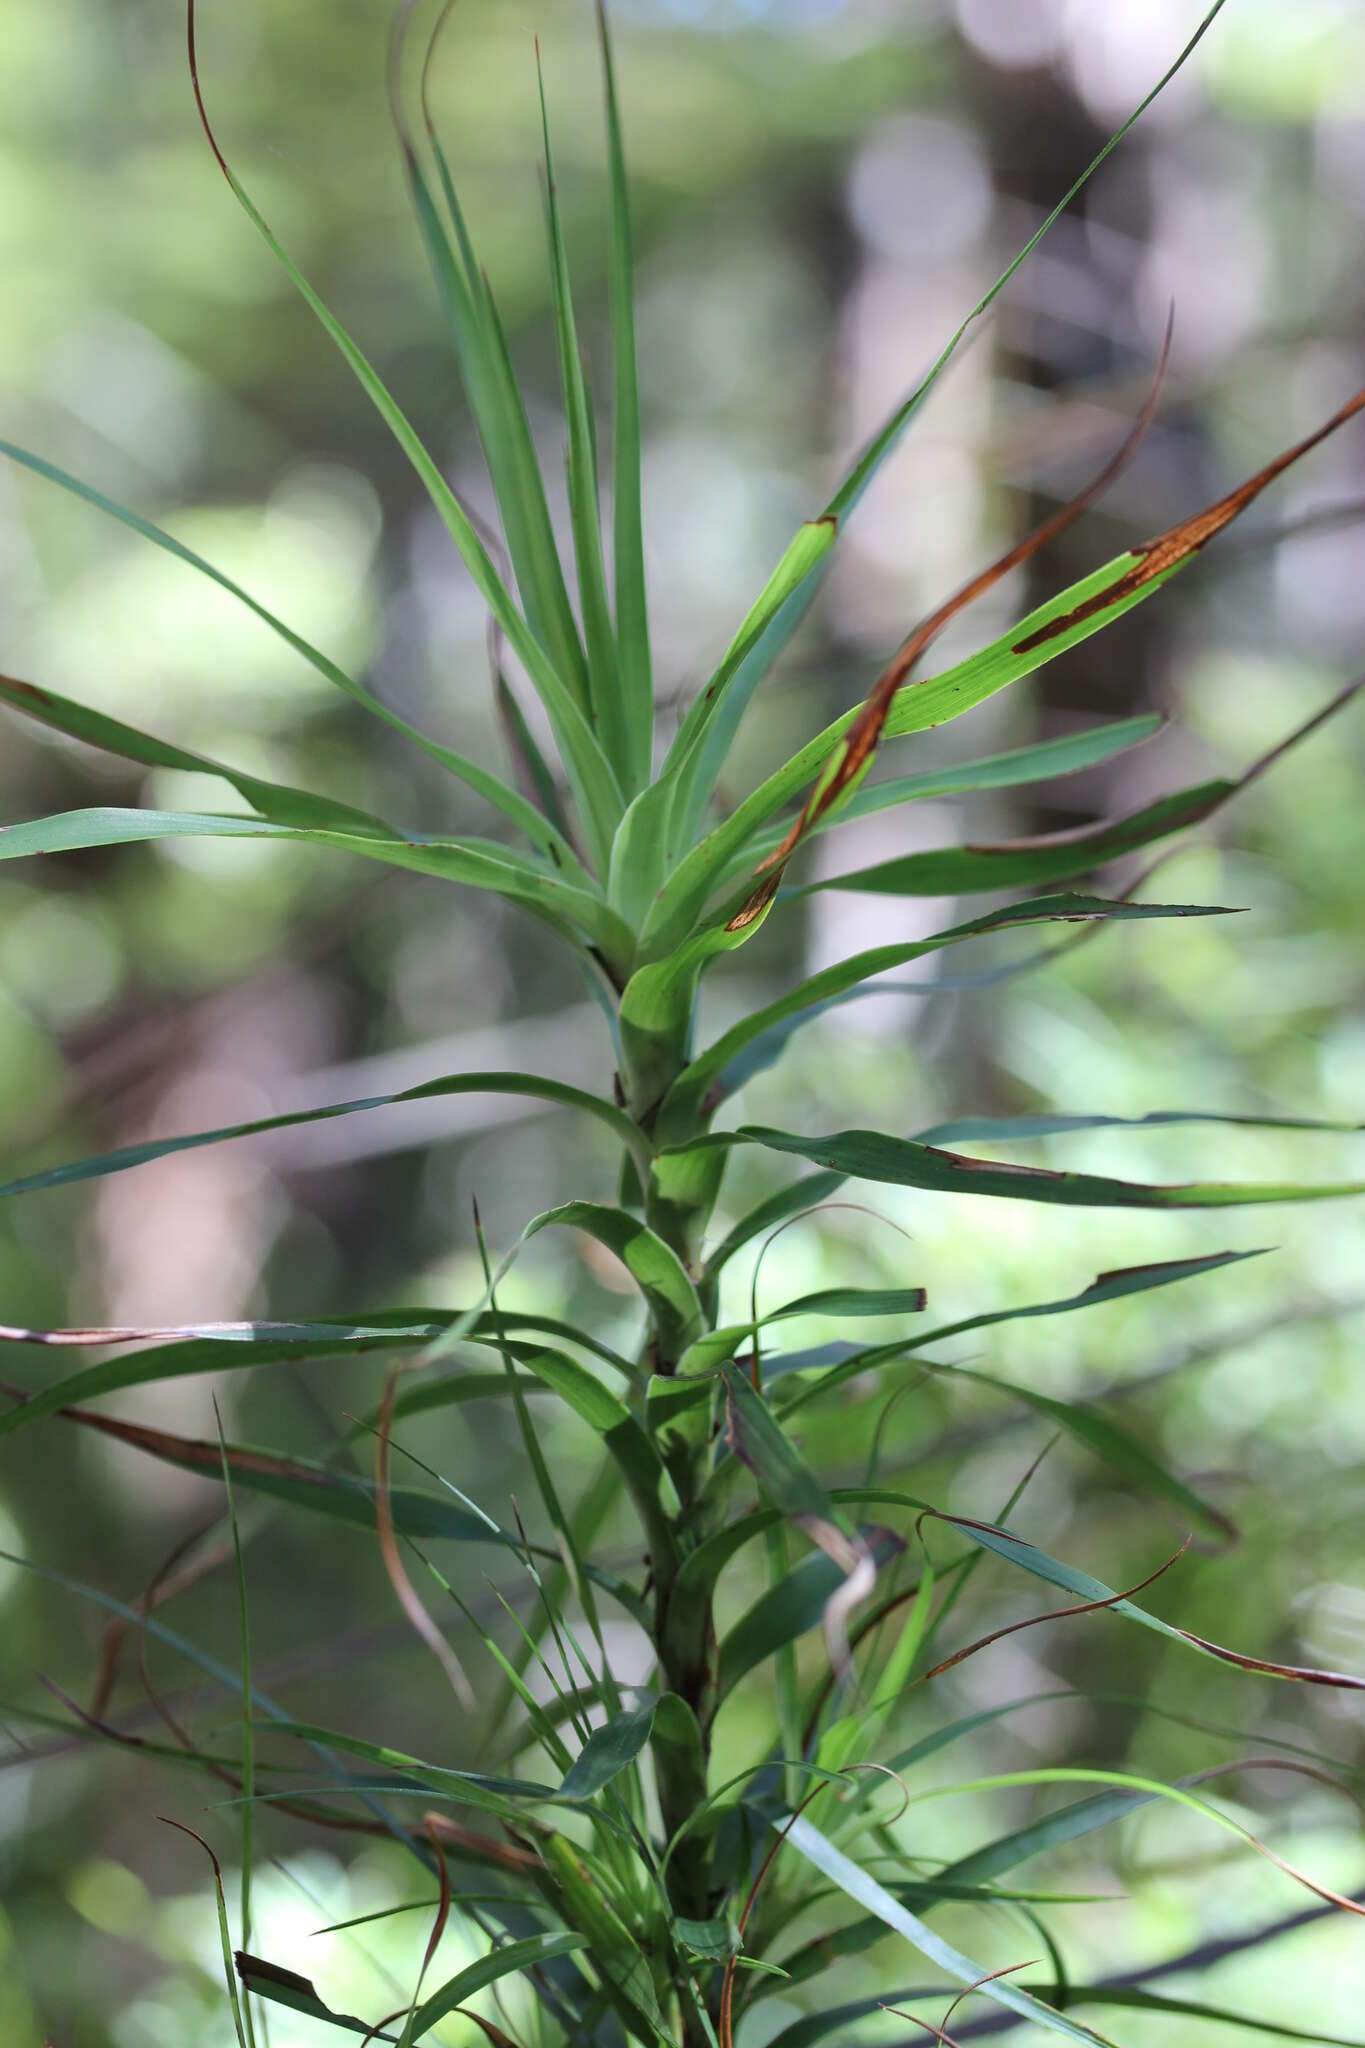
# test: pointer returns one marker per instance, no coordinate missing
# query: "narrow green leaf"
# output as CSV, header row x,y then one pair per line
x,y
1044,761
500,417
647,1481
916,707
478,863
246,1347
1109,1440
851,1302
632,615
533,1085
761,1444
276,801
532,767
904,1162
807,2032
714,1074
1115,1286
487,785
995,1130
615,1951
882,444
508,1798
1029,1558
598,793
789,1610
874,1898
490,1969
604,687
1023,863
248,1728
1132,1998
224,1933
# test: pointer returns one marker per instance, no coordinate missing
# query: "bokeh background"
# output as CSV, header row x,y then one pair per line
x,y
822,191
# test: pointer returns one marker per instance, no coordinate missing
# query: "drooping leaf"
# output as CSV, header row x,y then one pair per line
x,y
1029,1558
448,1084
654,1266
337,1495
815,2027
247,1346
276,801
279,1986
761,1444
1109,1440
479,779
1132,1998
904,1162
1115,1286
478,863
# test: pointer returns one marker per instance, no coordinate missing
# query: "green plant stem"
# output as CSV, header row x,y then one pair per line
x,y
684,1634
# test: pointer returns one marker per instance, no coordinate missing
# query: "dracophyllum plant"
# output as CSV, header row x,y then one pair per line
x,y
604,1860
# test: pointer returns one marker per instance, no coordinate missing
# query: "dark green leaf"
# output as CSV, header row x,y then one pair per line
x,y
607,1752
490,1969
1023,863
904,1162
285,1987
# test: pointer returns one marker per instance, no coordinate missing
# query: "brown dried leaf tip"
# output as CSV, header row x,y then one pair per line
x,y
864,734
1176,546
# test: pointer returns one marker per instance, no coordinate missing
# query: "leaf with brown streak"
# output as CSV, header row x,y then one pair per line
x,y
1172,549
855,752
